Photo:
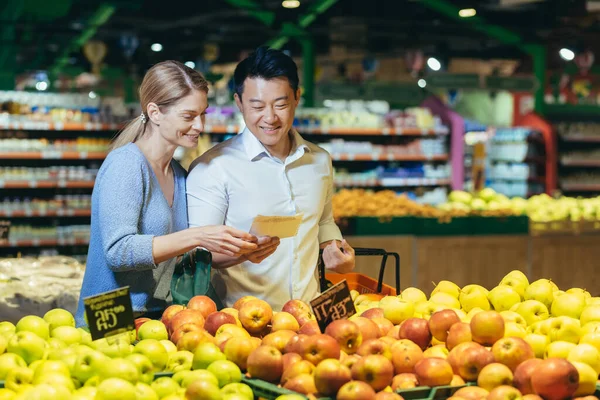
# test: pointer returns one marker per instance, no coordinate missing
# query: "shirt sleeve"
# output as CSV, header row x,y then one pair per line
x,y
328,229
121,196
206,195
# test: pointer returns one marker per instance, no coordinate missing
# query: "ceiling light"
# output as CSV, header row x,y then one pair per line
x,y
467,12
156,47
41,86
566,54
422,83
190,64
290,3
92,95
434,64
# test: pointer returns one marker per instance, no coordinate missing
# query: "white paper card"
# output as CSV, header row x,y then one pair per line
x,y
280,226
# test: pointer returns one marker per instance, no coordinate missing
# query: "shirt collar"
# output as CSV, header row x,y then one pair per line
x,y
255,149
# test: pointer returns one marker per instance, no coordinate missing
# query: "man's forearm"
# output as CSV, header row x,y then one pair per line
x,y
221,261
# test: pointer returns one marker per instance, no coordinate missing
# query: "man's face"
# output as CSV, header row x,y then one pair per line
x,y
268,107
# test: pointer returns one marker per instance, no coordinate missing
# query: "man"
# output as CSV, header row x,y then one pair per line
x,y
269,169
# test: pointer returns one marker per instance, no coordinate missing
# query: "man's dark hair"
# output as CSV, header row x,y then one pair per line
x,y
267,64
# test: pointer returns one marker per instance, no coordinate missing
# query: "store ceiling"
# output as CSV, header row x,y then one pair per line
x,y
374,26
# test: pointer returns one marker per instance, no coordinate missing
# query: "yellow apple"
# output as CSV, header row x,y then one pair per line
x,y
587,379
558,293
532,311
592,300
472,313
590,313
461,314
511,316
447,287
426,308
586,353
517,280
579,291
413,295
538,343
569,305
590,327
439,351
354,294
559,349
503,297
592,338
446,300
541,290
512,329
474,296
564,329
396,310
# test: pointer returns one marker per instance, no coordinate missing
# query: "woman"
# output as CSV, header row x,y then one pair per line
x,y
139,211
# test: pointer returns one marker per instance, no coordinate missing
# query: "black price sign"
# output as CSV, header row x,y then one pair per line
x,y
109,313
4,229
334,303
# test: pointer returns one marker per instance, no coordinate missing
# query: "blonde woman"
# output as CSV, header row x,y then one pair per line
x,y
139,210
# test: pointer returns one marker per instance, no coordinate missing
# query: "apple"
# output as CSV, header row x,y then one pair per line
x,y
27,345
118,346
34,324
471,393
169,346
266,363
205,354
459,332
444,299
590,327
512,351
592,300
555,379
457,380
406,380
383,324
517,280
237,349
300,310
180,361
310,328
559,349
487,327
579,291
346,333
396,310
185,378
504,392
186,316
238,388
231,329
279,339
183,329
375,346
368,327
169,313
512,329
300,367
202,303
255,315
416,330
568,305
303,383
532,311
405,355
590,313
375,370
289,359
67,334
49,367
437,351
87,363
393,333
586,353
202,390
376,312
446,287
18,379
591,338
191,340
239,302
297,344
155,351
44,391
563,328
433,372
284,321
144,367
474,296
426,309
59,317
215,320
503,297
538,343
89,393
541,290
320,347
440,323
7,329
355,390
350,360
152,330
226,372
523,373
116,388
118,368
330,375
471,361
494,375
587,379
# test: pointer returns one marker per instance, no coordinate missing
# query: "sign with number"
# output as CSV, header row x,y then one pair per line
x,y
4,229
334,303
109,313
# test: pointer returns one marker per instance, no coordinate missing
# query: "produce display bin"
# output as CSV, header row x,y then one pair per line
x,y
382,226
439,227
265,390
513,225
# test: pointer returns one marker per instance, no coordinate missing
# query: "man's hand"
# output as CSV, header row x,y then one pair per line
x,y
266,246
337,260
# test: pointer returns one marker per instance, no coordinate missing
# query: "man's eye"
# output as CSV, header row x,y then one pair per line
x,y
281,106
257,108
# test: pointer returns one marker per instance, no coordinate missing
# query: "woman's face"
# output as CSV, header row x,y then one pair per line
x,y
182,123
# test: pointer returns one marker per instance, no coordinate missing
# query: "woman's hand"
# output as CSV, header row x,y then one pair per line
x,y
226,240
266,246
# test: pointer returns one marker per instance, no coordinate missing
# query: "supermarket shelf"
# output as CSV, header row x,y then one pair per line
x,y
53,155
233,129
59,126
396,182
581,187
44,243
53,213
581,138
579,163
387,157
46,184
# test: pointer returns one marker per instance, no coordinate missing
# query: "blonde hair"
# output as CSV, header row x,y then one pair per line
x,y
164,84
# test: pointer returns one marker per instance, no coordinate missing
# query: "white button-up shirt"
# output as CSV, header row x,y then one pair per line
x,y
237,180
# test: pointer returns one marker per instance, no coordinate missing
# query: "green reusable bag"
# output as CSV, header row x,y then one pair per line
x,y
191,277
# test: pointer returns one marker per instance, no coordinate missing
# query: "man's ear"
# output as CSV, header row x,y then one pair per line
x,y
297,95
238,102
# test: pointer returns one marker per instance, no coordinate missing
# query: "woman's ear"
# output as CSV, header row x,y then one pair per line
x,y
154,114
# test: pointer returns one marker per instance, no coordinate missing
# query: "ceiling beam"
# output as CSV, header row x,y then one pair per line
x,y
255,10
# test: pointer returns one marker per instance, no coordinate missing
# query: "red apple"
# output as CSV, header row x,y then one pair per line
x,y
373,313
417,331
440,323
523,374
375,370
368,328
494,375
255,315
389,340
238,349
512,351
555,379
169,313
346,333
216,319
310,328
487,327
202,303
303,383
320,347
300,310
266,363
394,331
278,339
384,325
405,355
239,302
330,375
350,360
190,340
468,359
375,346
183,329
471,393
504,392
296,344
290,359
356,390
405,380
299,368
284,321
187,316
459,332
434,372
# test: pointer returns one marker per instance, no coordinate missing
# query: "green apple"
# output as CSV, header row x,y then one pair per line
x,y
579,291
145,392
18,379
568,305
232,396
155,351
538,343
592,338
115,388
84,393
55,379
586,353
45,391
55,344
87,364
226,372
444,299
503,297
532,311
413,295
559,349
447,287
205,354
86,337
424,309
474,296
113,347
7,329
542,291
511,316
517,280
590,327
238,388
6,394
59,317
119,368
199,374
512,329
396,310
9,361
180,361
164,386
592,300
67,334
169,346
564,329
3,344
28,345
181,375
34,324
590,313
144,366
153,330
49,367
473,312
